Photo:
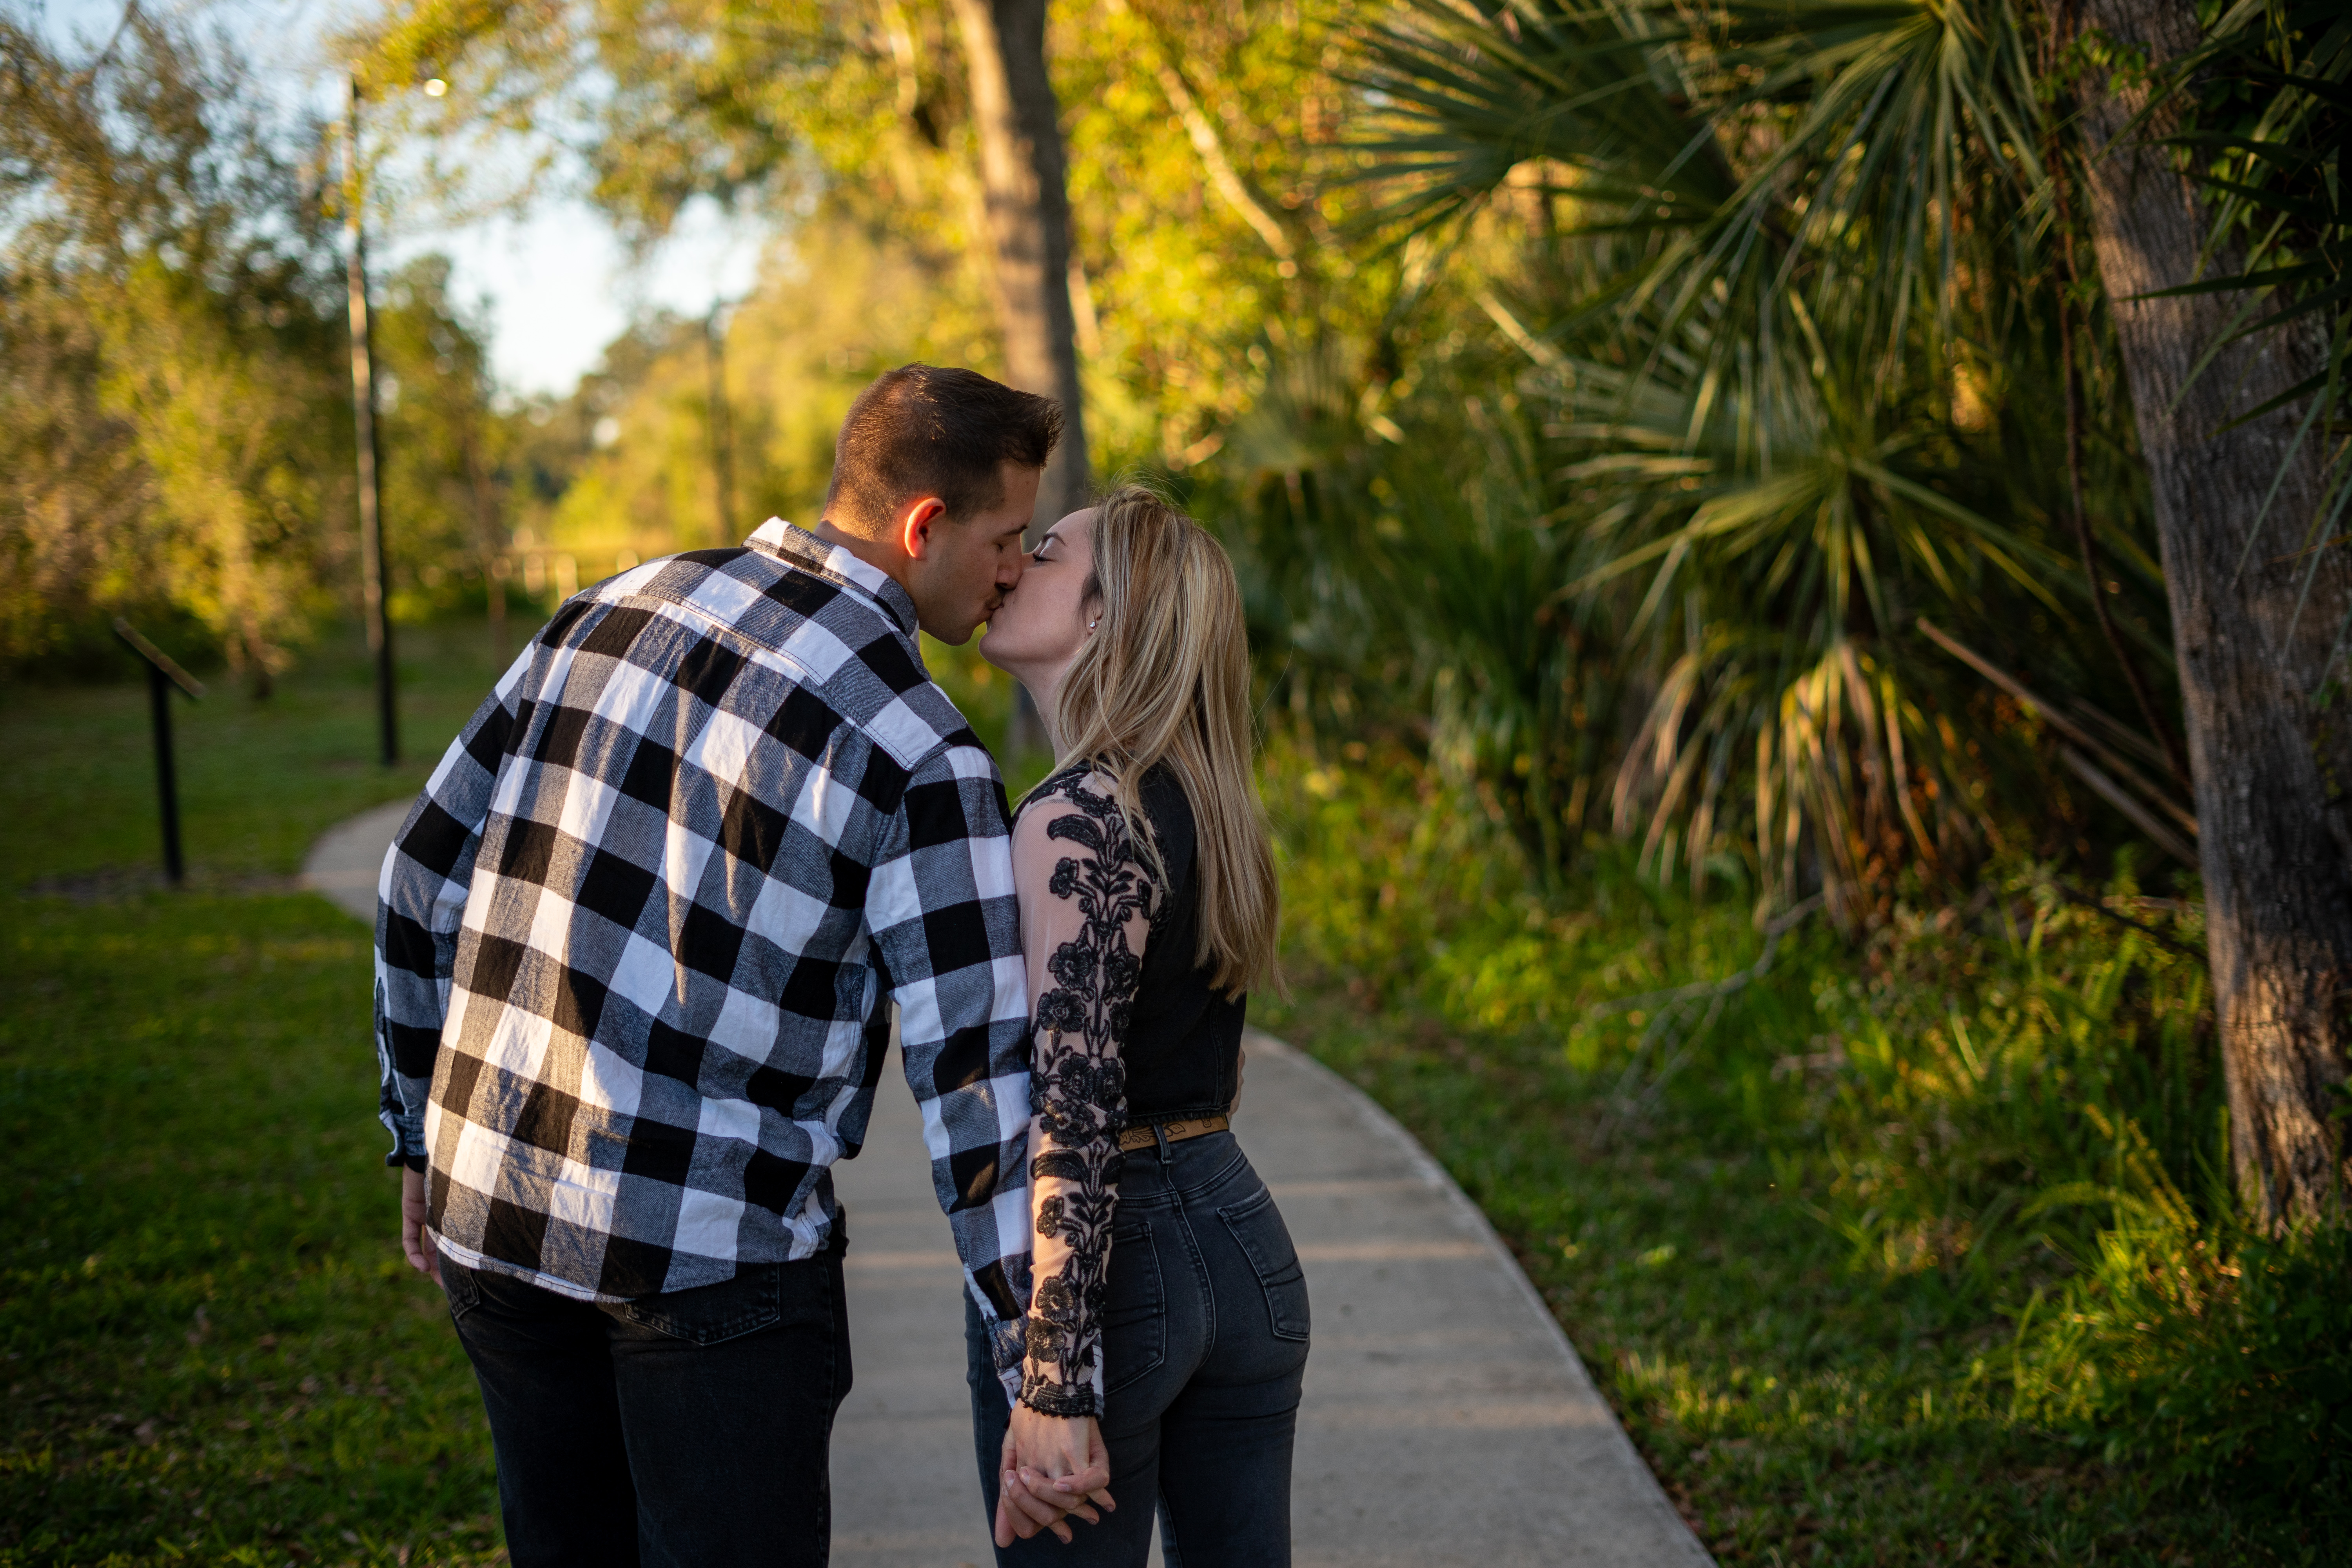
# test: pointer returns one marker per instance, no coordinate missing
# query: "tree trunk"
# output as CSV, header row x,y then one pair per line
x,y
2254,617
486,536
1028,222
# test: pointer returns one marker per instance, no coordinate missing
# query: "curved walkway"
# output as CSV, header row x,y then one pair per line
x,y
1448,1421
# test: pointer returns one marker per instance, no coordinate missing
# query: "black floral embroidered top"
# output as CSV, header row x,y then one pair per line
x,y
1087,908
1126,1029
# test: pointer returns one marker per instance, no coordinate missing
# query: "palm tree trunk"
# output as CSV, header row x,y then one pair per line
x,y
1028,221
2255,616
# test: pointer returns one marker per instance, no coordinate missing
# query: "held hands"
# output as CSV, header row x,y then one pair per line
x,y
416,1241
1051,1465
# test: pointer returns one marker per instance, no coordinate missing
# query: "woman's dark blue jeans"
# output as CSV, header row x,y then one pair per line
x,y
1205,1332
691,1429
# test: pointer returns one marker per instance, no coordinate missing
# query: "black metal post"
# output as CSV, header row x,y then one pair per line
x,y
374,589
161,676
167,784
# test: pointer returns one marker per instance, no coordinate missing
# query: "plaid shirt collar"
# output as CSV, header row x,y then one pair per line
x,y
798,547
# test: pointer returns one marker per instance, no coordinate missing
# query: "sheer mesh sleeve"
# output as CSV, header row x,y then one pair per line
x,y
1085,914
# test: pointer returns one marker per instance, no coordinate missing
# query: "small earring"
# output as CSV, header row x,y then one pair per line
x,y
1091,624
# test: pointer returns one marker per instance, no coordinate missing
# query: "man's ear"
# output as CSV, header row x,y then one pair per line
x,y
915,525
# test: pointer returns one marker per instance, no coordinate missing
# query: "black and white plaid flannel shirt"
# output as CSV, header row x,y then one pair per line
x,y
632,939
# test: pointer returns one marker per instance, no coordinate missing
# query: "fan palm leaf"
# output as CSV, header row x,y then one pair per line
x,y
1796,227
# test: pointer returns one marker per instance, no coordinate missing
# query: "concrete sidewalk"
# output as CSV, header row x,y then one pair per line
x,y
1447,1422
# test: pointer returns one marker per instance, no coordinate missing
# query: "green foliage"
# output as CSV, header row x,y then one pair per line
x,y
1785,310
2211,1362
213,1350
447,451
1883,1254
824,323
166,410
175,386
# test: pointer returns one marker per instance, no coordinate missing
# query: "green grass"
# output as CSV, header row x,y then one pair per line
x,y
1861,1276
258,781
215,1353
1798,1410
213,1350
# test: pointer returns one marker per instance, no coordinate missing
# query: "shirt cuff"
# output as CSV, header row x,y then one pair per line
x,y
1060,1399
408,1140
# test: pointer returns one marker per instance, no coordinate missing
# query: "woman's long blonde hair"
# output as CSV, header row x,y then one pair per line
x,y
1165,678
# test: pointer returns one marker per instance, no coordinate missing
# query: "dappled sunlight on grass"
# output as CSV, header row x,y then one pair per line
x,y
212,1345
1889,1257
214,1351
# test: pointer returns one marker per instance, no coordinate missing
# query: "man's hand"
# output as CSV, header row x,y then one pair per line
x,y
417,1241
1050,1467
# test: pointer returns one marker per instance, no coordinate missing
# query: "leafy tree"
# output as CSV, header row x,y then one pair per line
x,y
1192,257
730,102
171,438
446,443
1026,210
1831,381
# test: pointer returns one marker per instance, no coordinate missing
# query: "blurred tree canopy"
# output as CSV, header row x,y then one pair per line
x,y
166,309
174,414
1665,420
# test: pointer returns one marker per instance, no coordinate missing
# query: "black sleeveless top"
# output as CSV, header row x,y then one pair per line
x,y
1182,1048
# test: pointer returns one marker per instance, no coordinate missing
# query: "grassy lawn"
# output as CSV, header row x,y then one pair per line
x,y
213,1354
258,781
214,1351
1789,1406
1800,1404
1914,1247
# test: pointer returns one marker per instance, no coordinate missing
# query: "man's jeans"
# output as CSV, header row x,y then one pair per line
x,y
1205,1330
689,1429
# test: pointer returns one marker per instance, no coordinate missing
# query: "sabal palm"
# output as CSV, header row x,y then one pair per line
x,y
1807,245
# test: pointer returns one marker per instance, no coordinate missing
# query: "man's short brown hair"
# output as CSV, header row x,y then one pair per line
x,y
920,430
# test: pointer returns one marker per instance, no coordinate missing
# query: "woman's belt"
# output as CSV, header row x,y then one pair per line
x,y
1148,1136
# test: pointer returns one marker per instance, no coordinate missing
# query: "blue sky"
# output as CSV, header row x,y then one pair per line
x,y
556,283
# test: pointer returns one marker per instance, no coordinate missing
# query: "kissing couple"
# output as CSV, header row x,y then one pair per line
x,y
637,946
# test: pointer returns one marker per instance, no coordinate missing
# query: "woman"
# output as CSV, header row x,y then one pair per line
x,y
1169,1325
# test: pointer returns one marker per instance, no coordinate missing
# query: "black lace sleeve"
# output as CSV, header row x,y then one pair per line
x,y
1085,913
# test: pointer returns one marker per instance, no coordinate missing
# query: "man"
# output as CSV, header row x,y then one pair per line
x,y
631,948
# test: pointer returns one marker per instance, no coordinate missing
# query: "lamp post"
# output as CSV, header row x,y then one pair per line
x,y
373,585
721,423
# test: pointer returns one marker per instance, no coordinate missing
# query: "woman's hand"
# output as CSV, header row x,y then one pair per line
x,y
1050,1466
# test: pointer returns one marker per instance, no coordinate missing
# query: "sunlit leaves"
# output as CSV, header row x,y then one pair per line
x,y
1785,234
170,419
